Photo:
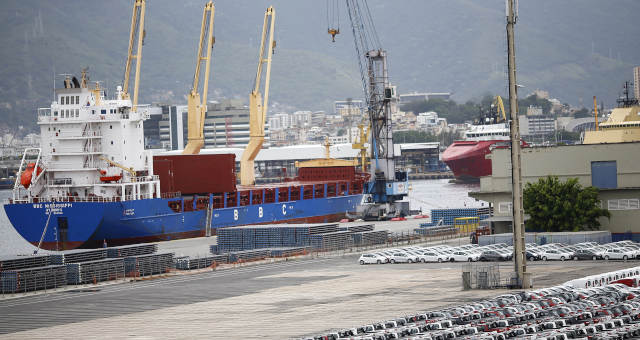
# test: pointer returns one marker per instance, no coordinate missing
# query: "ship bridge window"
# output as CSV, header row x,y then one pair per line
x,y
55,113
73,100
104,112
77,99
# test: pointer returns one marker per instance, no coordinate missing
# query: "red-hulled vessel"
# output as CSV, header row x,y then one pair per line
x,y
466,158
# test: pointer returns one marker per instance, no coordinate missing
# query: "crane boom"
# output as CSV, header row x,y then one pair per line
x,y
500,105
118,165
257,105
137,33
197,109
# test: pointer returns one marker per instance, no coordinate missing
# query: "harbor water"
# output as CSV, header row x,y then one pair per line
x,y
424,195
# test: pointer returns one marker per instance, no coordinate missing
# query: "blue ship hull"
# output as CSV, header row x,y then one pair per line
x,y
88,224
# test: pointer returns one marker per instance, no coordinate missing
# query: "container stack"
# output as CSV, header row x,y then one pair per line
x,y
149,264
29,261
78,255
31,279
95,271
132,250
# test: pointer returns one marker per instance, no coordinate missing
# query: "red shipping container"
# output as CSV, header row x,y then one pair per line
x,y
196,174
330,173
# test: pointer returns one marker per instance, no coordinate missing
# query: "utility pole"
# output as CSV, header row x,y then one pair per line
x,y
519,257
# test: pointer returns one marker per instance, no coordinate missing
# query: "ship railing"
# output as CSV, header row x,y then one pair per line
x,y
60,182
140,179
83,134
78,150
175,194
63,199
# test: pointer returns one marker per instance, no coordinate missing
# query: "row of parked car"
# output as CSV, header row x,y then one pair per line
x,y
558,313
622,250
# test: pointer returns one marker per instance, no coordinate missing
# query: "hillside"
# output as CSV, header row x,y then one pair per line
x,y
574,49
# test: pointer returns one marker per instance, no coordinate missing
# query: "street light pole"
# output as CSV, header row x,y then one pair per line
x,y
519,256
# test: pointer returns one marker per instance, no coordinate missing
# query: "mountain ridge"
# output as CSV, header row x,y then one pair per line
x,y
569,48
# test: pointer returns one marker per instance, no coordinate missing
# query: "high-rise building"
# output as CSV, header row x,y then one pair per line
x,y
636,82
173,127
348,107
226,124
151,128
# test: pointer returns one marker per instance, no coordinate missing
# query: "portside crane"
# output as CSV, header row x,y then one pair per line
x,y
137,33
388,186
197,109
257,105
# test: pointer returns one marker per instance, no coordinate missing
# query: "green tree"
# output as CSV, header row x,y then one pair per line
x,y
562,206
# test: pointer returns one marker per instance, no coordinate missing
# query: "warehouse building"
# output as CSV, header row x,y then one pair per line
x,y
613,168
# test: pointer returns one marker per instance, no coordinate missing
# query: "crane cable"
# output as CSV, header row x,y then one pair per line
x,y
333,18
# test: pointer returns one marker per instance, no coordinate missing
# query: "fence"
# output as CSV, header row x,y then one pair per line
x,y
481,276
600,237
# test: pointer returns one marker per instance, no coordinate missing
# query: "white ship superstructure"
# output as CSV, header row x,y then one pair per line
x,y
91,148
499,131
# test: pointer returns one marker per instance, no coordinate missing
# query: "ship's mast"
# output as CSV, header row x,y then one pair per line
x,y
516,169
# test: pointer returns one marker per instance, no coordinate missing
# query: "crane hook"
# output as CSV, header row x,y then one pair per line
x,y
333,32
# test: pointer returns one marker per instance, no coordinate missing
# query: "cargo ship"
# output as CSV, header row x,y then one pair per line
x,y
623,124
92,182
466,158
75,191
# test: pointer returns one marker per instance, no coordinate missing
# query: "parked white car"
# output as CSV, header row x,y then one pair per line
x,y
371,258
432,256
401,257
463,256
553,254
619,254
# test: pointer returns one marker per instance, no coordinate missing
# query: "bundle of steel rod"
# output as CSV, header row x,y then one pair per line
x,y
249,255
331,241
148,264
78,255
436,231
21,262
132,250
31,279
360,228
95,271
269,236
189,263
369,238
290,251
